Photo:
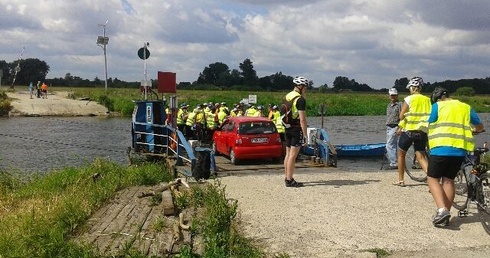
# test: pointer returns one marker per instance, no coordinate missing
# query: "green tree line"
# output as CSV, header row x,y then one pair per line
x,y
219,76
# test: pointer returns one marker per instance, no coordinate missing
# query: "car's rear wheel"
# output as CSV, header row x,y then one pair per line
x,y
233,158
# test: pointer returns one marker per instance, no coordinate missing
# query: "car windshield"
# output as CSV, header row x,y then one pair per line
x,y
256,128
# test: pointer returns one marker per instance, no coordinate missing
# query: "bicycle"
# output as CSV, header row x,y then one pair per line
x,y
472,183
413,168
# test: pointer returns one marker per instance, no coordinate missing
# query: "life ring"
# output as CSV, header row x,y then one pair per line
x,y
173,144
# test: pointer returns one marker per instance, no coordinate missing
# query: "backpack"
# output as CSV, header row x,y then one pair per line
x,y
285,111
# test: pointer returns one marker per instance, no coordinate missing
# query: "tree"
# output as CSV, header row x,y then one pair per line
x,y
401,84
212,73
248,73
31,70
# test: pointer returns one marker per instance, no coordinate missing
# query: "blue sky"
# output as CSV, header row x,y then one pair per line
x,y
373,42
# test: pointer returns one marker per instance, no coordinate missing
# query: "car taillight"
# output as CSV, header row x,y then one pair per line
x,y
278,139
238,141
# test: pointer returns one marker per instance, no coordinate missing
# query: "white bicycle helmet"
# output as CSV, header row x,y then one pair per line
x,y
415,82
300,80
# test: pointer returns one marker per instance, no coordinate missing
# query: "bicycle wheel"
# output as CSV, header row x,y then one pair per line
x,y
461,197
413,168
483,201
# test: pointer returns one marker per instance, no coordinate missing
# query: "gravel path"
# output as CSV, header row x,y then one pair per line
x,y
346,211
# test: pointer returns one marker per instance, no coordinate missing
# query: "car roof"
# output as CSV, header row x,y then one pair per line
x,y
240,119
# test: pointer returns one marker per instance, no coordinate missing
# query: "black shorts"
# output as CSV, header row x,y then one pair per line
x,y
418,138
444,166
293,137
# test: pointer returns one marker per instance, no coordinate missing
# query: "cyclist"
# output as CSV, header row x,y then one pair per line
x,y
412,127
295,133
450,137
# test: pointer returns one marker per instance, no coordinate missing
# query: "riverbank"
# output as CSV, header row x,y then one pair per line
x,y
56,104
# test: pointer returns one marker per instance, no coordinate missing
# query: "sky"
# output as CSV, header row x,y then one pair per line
x,y
372,41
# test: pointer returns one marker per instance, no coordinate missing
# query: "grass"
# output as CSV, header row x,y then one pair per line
x,y
40,215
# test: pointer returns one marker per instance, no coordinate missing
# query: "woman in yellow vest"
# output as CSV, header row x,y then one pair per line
x,y
450,138
412,128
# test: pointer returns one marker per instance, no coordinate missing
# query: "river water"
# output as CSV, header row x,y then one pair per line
x,y
40,144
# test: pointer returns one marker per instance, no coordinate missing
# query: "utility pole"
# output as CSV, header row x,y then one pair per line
x,y
102,41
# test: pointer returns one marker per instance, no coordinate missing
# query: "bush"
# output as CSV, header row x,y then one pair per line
x,y
465,91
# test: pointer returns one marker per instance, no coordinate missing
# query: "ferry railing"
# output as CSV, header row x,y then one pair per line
x,y
172,143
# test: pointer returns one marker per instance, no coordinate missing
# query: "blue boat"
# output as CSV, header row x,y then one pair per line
x,y
320,145
361,150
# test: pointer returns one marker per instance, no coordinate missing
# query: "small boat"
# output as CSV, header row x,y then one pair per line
x,y
361,150
352,150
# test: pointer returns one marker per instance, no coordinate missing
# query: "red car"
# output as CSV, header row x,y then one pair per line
x,y
245,138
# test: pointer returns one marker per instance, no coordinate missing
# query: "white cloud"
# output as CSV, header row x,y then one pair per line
x,y
373,42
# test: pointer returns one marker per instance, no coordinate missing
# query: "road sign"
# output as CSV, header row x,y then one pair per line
x,y
144,53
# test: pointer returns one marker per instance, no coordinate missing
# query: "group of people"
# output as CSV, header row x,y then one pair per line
x,y
443,125
201,122
41,90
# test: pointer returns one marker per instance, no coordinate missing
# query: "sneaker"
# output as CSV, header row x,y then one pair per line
x,y
293,183
391,167
443,224
441,218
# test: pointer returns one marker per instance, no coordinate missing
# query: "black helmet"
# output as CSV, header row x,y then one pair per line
x,y
437,94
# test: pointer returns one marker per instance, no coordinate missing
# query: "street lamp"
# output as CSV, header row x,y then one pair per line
x,y
102,41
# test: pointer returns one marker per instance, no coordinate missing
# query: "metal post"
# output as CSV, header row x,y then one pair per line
x,y
103,41
145,83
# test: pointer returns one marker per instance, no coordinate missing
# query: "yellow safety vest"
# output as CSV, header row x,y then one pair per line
x,y
294,110
221,115
180,116
278,122
210,119
416,119
452,128
191,119
200,116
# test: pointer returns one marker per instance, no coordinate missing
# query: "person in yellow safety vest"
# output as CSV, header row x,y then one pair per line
x,y
191,121
295,134
211,122
276,118
259,111
224,108
234,112
252,111
222,114
270,111
182,115
412,128
210,117
450,138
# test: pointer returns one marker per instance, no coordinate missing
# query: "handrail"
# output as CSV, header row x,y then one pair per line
x,y
183,151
